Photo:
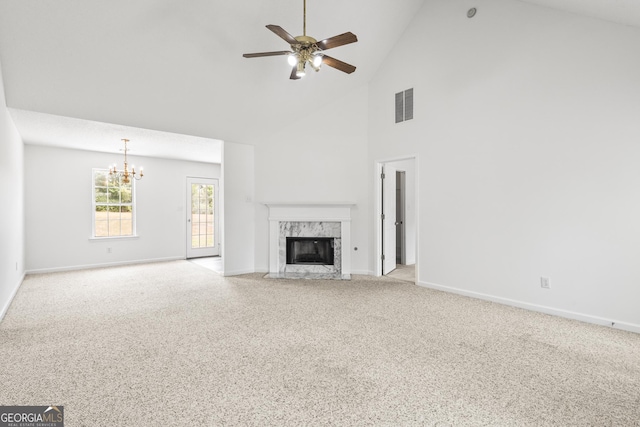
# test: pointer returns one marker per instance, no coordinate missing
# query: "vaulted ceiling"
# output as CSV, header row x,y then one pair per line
x,y
625,12
177,67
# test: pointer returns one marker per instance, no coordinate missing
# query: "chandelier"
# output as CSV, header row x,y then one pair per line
x,y
126,174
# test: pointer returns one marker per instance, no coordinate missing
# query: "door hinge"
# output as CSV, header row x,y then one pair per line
x,y
382,257
382,216
382,175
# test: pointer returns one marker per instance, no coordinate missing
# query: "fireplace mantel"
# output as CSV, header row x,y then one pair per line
x,y
310,211
285,213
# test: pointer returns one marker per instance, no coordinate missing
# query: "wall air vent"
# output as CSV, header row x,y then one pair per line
x,y
404,105
399,107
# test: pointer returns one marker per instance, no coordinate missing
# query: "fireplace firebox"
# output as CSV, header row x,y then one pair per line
x,y
310,250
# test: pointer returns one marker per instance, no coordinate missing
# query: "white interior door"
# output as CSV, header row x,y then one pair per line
x,y
202,217
389,219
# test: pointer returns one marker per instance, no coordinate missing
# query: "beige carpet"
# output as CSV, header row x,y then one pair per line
x,y
404,272
175,344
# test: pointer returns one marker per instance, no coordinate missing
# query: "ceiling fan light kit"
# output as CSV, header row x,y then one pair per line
x,y
307,50
300,69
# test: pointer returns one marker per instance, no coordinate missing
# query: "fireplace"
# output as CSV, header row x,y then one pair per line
x,y
310,250
310,240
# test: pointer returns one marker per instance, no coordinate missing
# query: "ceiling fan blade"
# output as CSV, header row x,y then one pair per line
x,y
337,64
261,54
280,32
336,41
294,74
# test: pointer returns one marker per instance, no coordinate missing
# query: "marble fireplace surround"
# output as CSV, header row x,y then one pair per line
x,y
310,219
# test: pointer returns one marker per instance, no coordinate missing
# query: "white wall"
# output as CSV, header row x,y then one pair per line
x,y
12,264
526,127
58,209
238,213
321,158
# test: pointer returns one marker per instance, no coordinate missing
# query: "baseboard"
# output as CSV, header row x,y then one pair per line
x,y
6,306
237,272
103,265
612,323
363,272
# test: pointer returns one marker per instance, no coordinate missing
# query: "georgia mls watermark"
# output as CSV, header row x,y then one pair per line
x,y
31,416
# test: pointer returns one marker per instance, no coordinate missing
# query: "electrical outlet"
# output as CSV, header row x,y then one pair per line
x,y
108,250
545,283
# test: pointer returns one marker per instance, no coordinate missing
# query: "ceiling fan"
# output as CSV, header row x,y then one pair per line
x,y
307,50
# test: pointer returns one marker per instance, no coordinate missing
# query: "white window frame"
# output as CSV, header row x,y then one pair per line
x,y
93,208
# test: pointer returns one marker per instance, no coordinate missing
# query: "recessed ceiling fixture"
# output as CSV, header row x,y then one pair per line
x,y
471,12
125,173
307,50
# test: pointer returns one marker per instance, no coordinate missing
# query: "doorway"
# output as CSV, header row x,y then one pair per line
x,y
202,218
396,218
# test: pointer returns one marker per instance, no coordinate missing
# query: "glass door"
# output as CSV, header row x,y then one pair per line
x,y
202,217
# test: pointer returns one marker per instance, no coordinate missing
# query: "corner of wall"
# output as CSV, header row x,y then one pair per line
x,y
11,295
12,244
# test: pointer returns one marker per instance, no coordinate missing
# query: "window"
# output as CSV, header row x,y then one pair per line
x,y
202,234
113,205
